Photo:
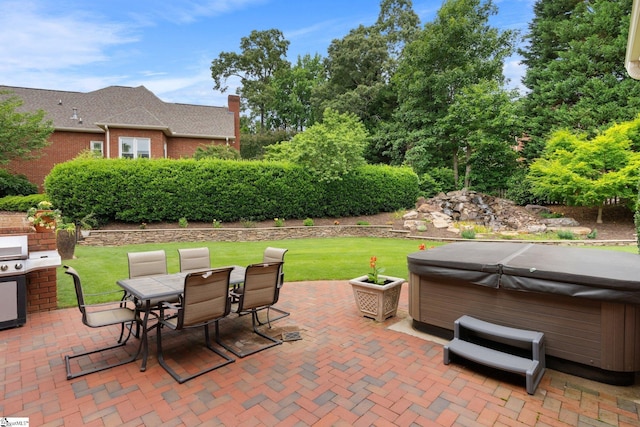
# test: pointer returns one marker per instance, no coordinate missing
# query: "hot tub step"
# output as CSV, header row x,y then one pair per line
x,y
531,367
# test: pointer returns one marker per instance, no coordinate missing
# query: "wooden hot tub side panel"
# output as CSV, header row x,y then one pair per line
x,y
590,332
621,331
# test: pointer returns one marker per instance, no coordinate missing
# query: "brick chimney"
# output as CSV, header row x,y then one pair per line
x,y
234,107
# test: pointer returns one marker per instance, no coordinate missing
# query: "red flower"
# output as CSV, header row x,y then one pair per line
x,y
422,247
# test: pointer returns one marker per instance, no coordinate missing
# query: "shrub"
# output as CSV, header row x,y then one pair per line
x,y
468,234
15,185
362,223
308,222
21,203
278,222
216,151
566,235
145,190
183,223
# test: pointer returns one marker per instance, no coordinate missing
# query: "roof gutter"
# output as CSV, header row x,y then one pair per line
x,y
632,59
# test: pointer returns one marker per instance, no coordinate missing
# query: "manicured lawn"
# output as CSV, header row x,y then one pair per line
x,y
307,259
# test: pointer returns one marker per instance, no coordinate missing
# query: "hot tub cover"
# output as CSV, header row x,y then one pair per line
x,y
581,272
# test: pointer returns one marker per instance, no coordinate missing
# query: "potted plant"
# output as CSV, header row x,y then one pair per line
x,y
43,217
66,239
377,295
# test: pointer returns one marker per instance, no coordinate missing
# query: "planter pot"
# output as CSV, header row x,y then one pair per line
x,y
48,223
378,302
66,244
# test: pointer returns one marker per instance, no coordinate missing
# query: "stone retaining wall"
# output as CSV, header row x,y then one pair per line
x,y
132,237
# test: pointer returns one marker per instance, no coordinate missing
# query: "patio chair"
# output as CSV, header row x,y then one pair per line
x,y
205,300
259,291
275,255
148,263
194,259
97,316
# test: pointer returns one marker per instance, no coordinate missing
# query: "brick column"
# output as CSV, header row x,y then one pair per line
x,y
42,285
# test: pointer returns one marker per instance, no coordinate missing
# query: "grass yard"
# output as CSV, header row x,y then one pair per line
x,y
307,259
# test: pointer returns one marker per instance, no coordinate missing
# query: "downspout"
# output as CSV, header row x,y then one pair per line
x,y
106,127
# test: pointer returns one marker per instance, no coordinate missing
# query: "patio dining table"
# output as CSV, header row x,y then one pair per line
x,y
159,287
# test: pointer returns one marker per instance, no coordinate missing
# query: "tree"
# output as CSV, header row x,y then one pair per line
x,y
292,107
329,149
21,133
483,116
216,151
455,51
575,73
262,56
584,171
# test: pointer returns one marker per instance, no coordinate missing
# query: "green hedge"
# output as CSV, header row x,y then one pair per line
x,y
20,203
167,190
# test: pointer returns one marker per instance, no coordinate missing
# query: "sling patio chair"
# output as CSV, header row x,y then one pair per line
x,y
147,263
205,300
275,255
97,316
194,259
259,291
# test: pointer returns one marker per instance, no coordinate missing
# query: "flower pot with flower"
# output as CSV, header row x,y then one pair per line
x,y
43,217
377,295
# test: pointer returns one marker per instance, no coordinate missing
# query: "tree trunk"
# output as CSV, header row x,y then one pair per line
x,y
455,168
599,220
467,170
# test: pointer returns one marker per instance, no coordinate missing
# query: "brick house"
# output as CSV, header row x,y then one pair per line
x,y
120,121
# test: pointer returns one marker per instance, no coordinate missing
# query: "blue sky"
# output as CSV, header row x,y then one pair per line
x,y
168,45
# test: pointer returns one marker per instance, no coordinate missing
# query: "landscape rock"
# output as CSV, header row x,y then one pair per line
x,y
446,211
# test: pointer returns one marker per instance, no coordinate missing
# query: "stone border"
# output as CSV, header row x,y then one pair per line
x,y
132,237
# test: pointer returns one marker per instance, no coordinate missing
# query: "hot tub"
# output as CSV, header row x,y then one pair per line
x,y
586,301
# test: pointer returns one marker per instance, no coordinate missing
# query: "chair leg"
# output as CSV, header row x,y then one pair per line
x,y
254,317
120,343
269,320
183,379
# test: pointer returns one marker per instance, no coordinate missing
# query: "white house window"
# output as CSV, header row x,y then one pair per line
x,y
97,147
135,148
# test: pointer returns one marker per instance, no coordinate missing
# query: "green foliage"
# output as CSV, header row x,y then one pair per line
x,y
216,151
253,145
21,133
145,190
21,203
15,185
593,234
308,222
262,54
455,51
329,150
519,188
183,223
468,234
575,73
586,172
566,235
362,223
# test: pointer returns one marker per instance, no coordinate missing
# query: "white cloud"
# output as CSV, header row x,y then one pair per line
x,y
35,39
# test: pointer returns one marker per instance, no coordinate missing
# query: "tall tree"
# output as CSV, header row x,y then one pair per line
x,y
575,68
21,133
292,89
458,49
262,54
483,115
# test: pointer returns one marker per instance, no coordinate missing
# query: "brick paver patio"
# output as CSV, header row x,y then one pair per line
x,y
345,371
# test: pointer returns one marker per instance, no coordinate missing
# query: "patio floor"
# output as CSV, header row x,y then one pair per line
x,y
345,371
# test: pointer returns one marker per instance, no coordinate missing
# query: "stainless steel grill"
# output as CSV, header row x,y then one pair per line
x,y
15,262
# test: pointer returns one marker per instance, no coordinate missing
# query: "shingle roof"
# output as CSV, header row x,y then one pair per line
x,y
130,107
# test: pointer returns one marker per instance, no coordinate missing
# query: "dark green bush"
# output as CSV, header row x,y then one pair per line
x,y
15,185
166,190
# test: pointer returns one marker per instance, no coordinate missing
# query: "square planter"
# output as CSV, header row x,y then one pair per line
x,y
378,302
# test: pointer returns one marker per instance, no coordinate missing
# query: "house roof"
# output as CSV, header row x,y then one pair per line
x,y
125,107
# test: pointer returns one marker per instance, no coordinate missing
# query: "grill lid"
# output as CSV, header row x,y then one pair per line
x,y
13,247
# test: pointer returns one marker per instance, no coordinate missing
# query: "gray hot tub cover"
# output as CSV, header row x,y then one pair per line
x,y
580,272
